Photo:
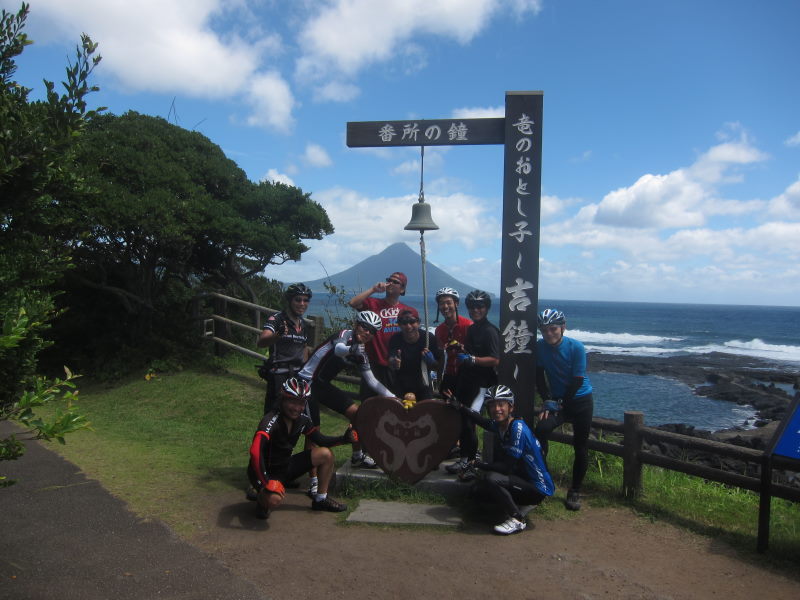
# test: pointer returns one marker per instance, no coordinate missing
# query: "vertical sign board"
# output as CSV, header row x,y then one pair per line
x,y
784,452
519,274
521,133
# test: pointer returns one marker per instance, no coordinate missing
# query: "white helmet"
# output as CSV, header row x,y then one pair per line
x,y
370,320
448,291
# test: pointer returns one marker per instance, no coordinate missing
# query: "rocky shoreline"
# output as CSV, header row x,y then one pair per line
x,y
728,377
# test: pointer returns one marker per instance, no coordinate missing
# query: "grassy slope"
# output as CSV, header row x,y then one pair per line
x,y
157,443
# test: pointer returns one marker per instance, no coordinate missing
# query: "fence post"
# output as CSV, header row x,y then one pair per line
x,y
632,445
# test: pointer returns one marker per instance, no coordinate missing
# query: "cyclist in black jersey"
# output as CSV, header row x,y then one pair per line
x,y
285,334
272,463
477,364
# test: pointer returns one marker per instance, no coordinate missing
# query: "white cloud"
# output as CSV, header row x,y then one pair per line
x,y
336,91
787,204
272,102
316,156
275,175
793,140
479,112
171,47
685,197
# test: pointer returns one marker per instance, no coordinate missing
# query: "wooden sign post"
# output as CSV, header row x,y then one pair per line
x,y
520,131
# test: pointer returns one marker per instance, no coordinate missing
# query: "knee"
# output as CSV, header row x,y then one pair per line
x,y
321,456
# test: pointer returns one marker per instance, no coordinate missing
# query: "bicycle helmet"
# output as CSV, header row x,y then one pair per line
x,y
295,387
448,291
297,289
478,298
369,319
499,392
551,316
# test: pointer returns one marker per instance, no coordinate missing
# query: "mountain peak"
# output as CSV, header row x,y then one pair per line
x,y
395,257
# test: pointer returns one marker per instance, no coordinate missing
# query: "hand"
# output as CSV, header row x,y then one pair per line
x,y
451,401
396,360
356,359
428,357
379,287
350,435
465,358
549,407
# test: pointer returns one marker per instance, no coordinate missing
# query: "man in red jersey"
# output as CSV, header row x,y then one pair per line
x,y
387,309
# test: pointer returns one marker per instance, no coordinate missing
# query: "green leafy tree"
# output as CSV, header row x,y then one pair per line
x,y
170,216
37,140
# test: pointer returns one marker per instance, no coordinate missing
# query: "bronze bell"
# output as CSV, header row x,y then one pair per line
x,y
421,219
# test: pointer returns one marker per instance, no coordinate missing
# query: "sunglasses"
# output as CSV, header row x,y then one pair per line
x,y
301,299
394,281
369,330
407,321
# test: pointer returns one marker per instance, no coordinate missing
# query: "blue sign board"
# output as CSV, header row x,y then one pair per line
x,y
789,443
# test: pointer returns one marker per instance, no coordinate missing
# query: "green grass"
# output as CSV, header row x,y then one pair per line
x,y
708,508
164,443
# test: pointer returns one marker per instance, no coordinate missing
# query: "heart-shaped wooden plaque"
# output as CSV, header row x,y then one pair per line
x,y
407,444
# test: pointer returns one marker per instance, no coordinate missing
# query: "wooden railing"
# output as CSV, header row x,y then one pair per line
x,y
634,456
210,329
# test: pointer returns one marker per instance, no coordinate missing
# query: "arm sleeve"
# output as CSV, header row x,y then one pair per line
x,y
541,384
478,418
372,381
574,385
320,439
259,450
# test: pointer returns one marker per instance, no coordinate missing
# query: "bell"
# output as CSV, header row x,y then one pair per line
x,y
421,219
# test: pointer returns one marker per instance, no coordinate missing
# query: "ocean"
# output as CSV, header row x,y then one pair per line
x,y
770,333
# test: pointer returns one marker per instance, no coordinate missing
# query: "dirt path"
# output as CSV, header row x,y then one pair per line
x,y
600,553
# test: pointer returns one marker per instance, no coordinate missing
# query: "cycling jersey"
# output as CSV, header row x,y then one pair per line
x,y
563,363
273,443
519,450
289,348
450,338
408,378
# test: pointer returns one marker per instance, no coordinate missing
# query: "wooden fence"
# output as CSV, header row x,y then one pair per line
x,y
634,456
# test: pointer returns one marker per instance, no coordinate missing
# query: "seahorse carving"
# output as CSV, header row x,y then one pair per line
x,y
402,452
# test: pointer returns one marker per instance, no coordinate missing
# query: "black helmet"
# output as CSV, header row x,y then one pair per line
x,y
297,289
478,298
551,316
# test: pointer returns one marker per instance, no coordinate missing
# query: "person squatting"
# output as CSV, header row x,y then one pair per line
x,y
395,358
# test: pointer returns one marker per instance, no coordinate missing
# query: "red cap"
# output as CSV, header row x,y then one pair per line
x,y
401,277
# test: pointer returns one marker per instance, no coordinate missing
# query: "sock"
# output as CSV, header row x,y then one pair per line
x,y
314,481
357,454
320,497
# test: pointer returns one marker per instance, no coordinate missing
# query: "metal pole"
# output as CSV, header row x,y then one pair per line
x,y
424,279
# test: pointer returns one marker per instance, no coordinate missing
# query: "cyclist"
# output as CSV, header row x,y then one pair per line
x,y
412,354
286,336
566,394
450,336
328,360
518,474
477,363
387,309
272,463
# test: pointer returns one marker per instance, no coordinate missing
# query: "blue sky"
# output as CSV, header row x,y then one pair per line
x,y
671,150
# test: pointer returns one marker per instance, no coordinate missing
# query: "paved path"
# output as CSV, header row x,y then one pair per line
x,y
63,536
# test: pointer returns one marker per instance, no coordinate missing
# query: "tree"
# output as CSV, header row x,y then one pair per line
x,y
37,141
169,216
